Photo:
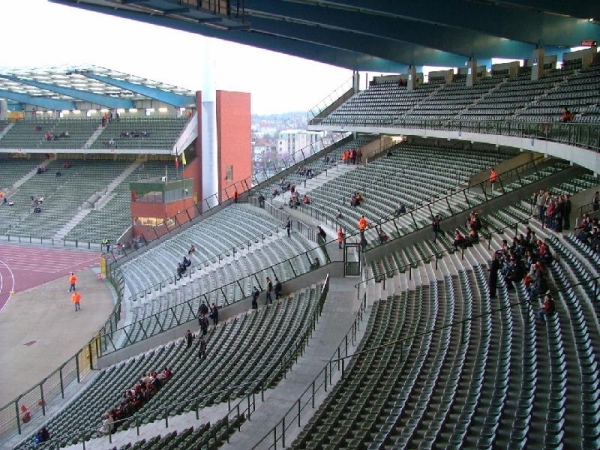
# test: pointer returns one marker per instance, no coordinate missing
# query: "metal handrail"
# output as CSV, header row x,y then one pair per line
x,y
282,364
338,361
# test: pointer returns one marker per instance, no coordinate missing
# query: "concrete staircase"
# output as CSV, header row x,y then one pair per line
x,y
27,177
106,197
315,182
6,130
94,136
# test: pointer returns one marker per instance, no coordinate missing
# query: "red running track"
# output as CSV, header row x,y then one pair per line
x,y
22,268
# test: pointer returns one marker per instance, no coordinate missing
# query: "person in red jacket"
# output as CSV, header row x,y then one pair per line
x,y
548,308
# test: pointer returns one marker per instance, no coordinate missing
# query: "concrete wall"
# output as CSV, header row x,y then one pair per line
x,y
458,220
505,166
375,147
335,269
234,139
589,159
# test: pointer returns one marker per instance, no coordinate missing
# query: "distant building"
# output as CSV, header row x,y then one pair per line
x,y
291,141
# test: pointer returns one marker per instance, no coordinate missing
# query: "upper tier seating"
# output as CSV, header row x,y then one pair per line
x,y
243,355
62,196
319,166
161,303
114,218
380,104
492,98
146,132
13,169
23,134
415,174
580,93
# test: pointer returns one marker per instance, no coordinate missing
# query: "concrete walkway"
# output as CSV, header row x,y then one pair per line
x,y
40,330
338,315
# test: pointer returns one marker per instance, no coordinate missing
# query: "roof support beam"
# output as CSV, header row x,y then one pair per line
x,y
582,10
98,99
42,102
347,59
502,21
403,52
452,40
170,98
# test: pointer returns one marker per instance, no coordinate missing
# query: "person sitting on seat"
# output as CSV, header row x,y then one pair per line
x,y
459,239
383,237
547,309
567,116
315,264
107,425
305,199
186,262
192,249
401,209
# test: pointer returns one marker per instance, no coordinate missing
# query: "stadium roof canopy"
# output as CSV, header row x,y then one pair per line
x,y
66,87
376,35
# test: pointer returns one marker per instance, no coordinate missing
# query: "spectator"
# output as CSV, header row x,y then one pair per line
x,y
261,200
493,178
107,425
268,297
383,237
362,226
189,337
401,209
436,227
25,414
202,348
459,239
567,116
306,200
214,313
192,249
278,288
596,202
315,264
493,280
341,237
255,294
548,308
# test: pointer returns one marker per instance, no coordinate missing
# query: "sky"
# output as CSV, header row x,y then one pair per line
x,y
43,34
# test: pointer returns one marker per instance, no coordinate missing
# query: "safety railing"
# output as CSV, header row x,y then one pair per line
x,y
486,233
318,388
189,274
174,224
336,369
271,169
37,399
420,215
576,134
329,99
50,242
113,338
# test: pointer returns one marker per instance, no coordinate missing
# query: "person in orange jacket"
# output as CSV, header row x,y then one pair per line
x,y
341,237
72,281
362,226
493,177
76,299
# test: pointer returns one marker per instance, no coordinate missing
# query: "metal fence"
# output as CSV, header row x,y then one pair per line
x,y
245,406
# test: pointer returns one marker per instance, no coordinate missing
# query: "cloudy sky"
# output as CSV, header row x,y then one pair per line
x,y
38,33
